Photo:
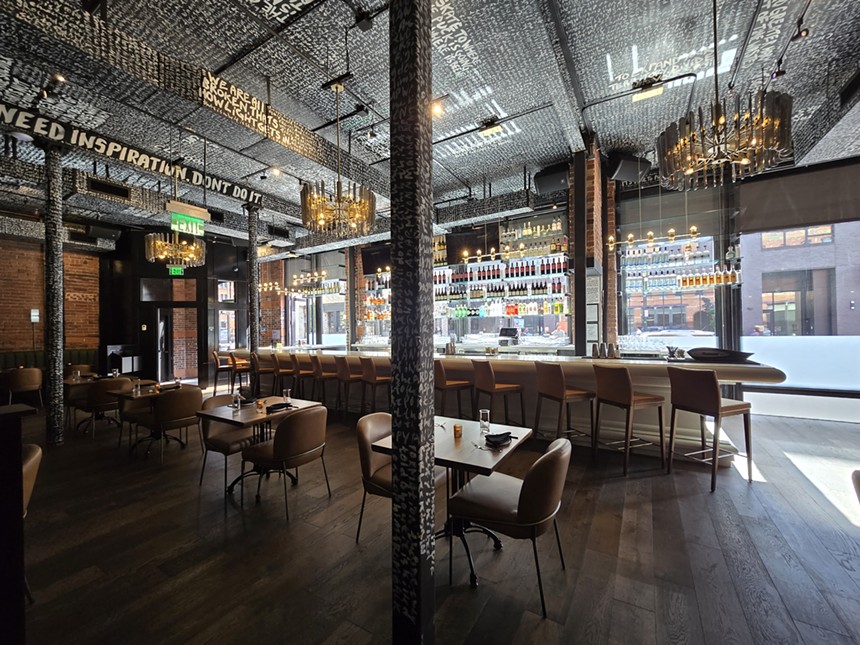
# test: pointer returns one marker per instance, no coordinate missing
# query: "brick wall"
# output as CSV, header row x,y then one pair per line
x,y
22,273
611,270
360,308
594,208
271,304
185,342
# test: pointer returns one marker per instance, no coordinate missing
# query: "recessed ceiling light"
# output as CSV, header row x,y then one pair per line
x,y
648,93
438,108
276,172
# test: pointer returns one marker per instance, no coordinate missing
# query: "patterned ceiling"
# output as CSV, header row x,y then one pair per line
x,y
543,65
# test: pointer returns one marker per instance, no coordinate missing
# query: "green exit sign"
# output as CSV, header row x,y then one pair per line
x,y
175,270
182,223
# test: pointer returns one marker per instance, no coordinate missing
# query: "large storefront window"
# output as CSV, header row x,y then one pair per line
x,y
799,313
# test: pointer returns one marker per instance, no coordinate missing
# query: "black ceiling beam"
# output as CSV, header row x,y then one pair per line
x,y
564,44
265,40
360,110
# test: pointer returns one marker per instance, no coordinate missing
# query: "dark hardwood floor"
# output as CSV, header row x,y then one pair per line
x,y
122,551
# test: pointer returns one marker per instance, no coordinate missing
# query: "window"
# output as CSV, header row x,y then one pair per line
x,y
226,291
794,237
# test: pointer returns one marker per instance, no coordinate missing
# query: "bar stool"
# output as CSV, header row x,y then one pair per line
x,y
442,384
302,369
283,368
239,367
320,376
551,385
222,368
258,369
614,387
345,376
369,376
485,383
698,391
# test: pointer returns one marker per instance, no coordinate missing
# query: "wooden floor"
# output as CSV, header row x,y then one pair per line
x,y
122,551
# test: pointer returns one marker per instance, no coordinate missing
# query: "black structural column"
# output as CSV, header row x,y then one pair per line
x,y
253,279
412,548
54,295
579,209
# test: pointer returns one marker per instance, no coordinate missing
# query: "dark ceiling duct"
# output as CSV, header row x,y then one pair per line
x,y
622,167
552,179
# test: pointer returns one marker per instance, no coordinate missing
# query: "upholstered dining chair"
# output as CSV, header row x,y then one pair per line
x,y
98,400
485,383
441,383
173,410
375,466
25,379
370,377
299,439
322,375
303,369
31,458
261,367
345,377
523,509
222,437
239,367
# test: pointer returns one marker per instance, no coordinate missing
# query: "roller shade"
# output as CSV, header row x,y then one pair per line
x,y
800,199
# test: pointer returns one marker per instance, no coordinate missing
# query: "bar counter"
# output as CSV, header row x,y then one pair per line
x,y
648,376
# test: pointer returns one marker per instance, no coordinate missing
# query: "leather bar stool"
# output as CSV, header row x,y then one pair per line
x,y
283,368
442,384
239,367
321,376
698,391
485,383
303,369
222,366
345,377
260,367
614,387
551,385
370,377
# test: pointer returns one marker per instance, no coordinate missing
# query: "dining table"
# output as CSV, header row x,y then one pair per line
x,y
260,419
464,457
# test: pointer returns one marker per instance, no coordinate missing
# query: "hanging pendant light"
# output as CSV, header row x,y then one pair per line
x,y
725,142
338,214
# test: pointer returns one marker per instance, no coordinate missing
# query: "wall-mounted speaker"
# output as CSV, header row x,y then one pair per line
x,y
96,231
623,167
552,179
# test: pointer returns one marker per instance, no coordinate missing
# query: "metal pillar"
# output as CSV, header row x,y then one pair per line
x,y
412,548
253,279
579,211
54,320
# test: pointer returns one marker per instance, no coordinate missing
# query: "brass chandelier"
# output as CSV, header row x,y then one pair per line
x,y
341,214
169,249
725,142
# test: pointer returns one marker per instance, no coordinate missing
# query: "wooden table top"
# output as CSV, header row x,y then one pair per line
x,y
148,391
468,453
248,416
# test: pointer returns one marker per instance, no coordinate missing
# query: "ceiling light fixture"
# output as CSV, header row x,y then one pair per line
x,y
490,126
276,172
341,214
437,108
714,146
779,72
52,85
801,33
648,88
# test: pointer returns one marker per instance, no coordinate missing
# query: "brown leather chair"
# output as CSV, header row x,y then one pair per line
x,y
614,387
370,377
25,379
375,466
261,367
222,366
303,369
283,368
551,385
238,368
299,439
98,400
222,437
444,385
698,391
173,410
130,412
321,376
519,508
31,458
485,383
345,377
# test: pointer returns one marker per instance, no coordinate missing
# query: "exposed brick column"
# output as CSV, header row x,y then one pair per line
x,y
412,508
357,287
611,270
54,295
